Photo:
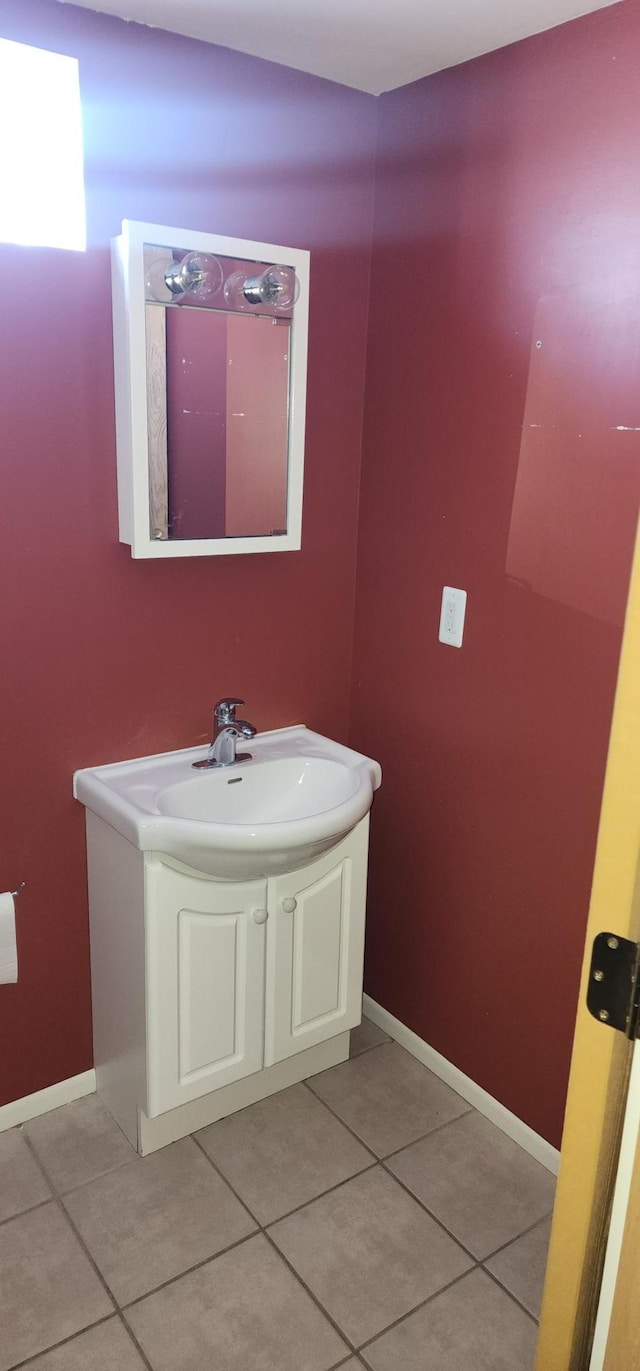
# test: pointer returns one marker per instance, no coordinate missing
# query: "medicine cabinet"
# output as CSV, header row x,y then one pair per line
x,y
210,355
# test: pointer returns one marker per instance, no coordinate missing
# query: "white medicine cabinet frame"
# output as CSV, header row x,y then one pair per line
x,y
133,398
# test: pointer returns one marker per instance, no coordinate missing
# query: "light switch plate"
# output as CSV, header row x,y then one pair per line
x,y
454,604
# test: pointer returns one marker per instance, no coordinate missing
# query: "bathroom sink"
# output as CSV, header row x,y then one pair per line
x,y
297,796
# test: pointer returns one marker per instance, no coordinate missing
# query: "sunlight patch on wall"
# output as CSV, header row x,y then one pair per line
x,y
42,200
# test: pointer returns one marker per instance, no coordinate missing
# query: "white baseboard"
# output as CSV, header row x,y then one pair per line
x,y
30,1106
485,1104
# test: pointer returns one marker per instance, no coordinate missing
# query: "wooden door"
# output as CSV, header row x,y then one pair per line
x,y
315,949
205,984
616,1342
601,1057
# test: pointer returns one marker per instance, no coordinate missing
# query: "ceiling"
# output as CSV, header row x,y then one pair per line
x,y
373,45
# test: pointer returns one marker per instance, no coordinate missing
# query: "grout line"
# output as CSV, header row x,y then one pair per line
x,y
72,1189
430,1213
511,1295
362,1051
503,1246
188,1271
323,1194
423,1136
337,1116
265,1230
86,1251
470,1109
219,1172
121,1309
29,1210
127,1326
19,1128
423,1205
390,1155
382,1163
62,1210
63,1343
269,1223
336,1326
403,1317
68,1190
281,1255
58,1201
345,1361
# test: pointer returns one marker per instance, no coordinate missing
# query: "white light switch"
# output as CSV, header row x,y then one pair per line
x,y
454,604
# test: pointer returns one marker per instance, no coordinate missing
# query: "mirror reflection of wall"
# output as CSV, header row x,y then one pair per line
x,y
218,376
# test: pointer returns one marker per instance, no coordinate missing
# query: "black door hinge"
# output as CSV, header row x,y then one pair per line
x,y
613,995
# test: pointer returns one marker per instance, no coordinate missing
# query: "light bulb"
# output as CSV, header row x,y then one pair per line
x,y
277,286
234,293
197,274
155,285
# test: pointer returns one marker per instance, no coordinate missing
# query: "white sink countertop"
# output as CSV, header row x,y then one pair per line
x,y
297,796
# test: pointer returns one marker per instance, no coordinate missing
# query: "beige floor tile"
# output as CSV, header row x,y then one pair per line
x,y
283,1152
154,1218
22,1183
48,1288
472,1325
387,1097
522,1265
78,1142
369,1253
105,1348
366,1035
483,1187
242,1312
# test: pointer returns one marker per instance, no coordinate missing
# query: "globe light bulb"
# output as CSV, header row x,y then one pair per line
x,y
277,287
155,285
234,293
198,273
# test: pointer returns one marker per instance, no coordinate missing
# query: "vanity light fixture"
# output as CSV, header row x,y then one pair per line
x,y
200,275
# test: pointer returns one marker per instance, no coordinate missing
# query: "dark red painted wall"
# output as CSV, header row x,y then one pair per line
x,y
507,214
106,658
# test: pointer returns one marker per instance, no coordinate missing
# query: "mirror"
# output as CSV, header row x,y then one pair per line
x,y
210,357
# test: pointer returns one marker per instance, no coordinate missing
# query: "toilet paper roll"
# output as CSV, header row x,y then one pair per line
x,y
8,948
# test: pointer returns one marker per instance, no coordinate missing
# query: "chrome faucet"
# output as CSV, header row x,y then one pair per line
x,y
226,731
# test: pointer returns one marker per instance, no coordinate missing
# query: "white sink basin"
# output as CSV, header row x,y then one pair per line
x,y
298,796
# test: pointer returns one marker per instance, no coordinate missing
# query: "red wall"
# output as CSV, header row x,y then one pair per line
x,y
106,658
507,214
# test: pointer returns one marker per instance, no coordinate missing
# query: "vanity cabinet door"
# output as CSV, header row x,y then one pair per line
x,y
205,984
315,949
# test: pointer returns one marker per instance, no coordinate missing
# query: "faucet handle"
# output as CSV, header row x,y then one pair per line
x,y
225,710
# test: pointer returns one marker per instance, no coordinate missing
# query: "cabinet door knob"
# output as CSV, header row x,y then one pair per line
x,y
260,916
290,904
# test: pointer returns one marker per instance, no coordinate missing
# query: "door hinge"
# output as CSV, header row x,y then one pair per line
x,y
613,995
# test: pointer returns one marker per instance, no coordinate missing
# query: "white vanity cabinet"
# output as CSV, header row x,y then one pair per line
x,y
210,994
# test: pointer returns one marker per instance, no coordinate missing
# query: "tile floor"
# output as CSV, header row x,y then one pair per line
x,y
368,1217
